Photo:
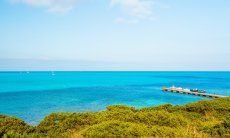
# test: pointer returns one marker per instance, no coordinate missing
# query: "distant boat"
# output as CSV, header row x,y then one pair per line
x,y
53,74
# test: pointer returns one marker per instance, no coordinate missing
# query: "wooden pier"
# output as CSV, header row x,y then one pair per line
x,y
187,91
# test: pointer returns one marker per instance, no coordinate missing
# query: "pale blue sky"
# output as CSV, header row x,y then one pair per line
x,y
115,35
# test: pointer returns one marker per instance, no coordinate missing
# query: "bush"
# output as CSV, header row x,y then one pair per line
x,y
163,131
64,122
161,118
201,119
121,108
220,105
116,129
12,125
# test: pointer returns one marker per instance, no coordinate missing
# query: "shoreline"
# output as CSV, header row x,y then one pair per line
x,y
121,117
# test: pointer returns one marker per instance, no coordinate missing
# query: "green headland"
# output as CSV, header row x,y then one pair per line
x,y
209,118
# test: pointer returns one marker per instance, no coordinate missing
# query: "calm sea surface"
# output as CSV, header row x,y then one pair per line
x,y
33,95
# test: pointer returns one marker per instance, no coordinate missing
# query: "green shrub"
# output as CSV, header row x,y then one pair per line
x,y
222,129
163,131
166,107
208,118
220,105
12,125
116,129
63,122
161,118
120,108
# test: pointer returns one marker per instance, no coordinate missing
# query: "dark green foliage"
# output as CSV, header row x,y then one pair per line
x,y
164,131
116,129
167,107
161,118
222,129
120,108
63,122
220,105
13,126
201,119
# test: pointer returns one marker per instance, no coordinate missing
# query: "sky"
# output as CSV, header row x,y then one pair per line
x,y
114,35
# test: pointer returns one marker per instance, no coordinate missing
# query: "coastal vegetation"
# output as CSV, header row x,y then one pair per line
x,y
208,118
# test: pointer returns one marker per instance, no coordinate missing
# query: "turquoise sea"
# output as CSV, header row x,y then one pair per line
x,y
33,95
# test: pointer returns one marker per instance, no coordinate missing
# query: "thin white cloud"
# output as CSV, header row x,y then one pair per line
x,y
59,6
132,10
141,9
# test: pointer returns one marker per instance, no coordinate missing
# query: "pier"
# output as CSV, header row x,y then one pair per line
x,y
187,91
